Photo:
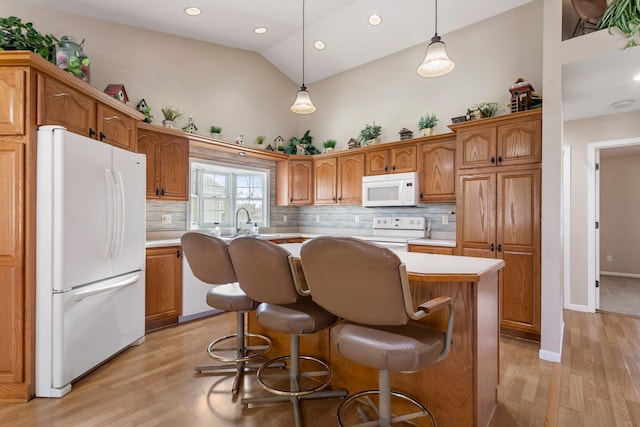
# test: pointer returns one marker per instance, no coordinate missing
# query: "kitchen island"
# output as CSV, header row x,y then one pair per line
x,y
461,390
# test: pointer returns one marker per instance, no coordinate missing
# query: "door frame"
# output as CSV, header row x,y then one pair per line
x,y
593,208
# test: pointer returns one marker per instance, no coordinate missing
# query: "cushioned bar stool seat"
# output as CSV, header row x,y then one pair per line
x,y
208,257
367,286
267,273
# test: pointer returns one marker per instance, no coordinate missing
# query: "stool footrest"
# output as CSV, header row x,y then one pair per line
x,y
368,403
242,353
294,377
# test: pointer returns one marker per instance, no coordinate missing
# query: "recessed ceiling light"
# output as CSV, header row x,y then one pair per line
x,y
637,78
260,30
192,11
319,44
622,104
375,20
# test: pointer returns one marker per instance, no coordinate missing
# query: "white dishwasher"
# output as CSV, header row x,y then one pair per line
x,y
194,296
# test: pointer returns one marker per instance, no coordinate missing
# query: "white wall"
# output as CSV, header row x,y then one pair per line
x,y
236,89
489,57
619,207
578,134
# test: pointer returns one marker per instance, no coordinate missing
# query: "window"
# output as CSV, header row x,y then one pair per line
x,y
217,191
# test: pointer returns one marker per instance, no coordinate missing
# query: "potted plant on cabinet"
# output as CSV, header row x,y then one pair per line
x,y
329,145
18,35
489,109
215,131
170,116
260,139
625,15
427,123
370,134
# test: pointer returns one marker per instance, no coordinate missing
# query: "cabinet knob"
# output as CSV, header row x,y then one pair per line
x,y
102,136
421,195
500,158
290,199
92,133
492,247
157,191
339,199
499,247
386,168
334,199
178,253
162,192
492,160
393,167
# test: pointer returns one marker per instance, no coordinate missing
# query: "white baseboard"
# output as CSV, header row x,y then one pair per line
x,y
613,273
552,356
578,307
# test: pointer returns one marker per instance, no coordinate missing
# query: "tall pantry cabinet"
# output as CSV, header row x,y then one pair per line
x,y
32,91
498,209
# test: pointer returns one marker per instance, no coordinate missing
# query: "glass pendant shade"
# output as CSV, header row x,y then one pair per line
x,y
303,104
436,63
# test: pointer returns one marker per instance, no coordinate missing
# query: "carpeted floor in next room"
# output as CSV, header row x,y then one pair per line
x,y
620,295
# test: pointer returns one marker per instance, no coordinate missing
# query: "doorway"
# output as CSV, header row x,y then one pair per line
x,y
614,248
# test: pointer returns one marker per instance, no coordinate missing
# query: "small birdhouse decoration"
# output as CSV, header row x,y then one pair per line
x,y
352,144
279,141
521,95
405,134
190,126
144,108
239,139
117,91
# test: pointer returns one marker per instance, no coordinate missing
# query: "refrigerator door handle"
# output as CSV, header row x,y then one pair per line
x,y
111,214
120,214
127,282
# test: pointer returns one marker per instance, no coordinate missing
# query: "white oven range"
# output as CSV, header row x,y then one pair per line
x,y
394,232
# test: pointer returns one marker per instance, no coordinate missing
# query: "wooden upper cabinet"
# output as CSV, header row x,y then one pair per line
x,y
437,171
350,173
59,104
12,90
393,160
514,139
116,128
167,164
326,181
301,182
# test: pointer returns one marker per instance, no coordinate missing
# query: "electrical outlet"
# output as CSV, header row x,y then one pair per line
x,y
357,219
284,218
609,258
166,219
445,219
317,218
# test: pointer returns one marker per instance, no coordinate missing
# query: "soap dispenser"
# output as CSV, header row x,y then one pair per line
x,y
255,229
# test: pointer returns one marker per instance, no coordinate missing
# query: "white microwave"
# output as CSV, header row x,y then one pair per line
x,y
397,189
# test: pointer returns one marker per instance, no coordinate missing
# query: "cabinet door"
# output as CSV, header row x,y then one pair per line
x,y
438,172
58,104
518,243
12,90
477,147
350,173
326,181
174,168
476,208
163,290
439,250
520,142
300,182
377,162
12,286
149,144
403,159
116,128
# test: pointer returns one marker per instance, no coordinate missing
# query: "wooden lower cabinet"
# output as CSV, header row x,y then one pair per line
x,y
438,250
499,217
163,289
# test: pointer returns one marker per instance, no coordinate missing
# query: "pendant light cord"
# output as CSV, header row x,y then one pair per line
x,y
436,17
303,43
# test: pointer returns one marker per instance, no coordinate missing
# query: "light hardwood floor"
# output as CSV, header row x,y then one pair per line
x,y
597,384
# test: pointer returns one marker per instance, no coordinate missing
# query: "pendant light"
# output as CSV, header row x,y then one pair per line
x,y
303,104
436,63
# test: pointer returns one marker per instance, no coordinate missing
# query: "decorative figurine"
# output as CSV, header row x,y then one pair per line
x,y
190,126
117,91
405,134
240,139
145,109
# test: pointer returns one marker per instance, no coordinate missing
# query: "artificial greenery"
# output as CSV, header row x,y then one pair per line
x,y
370,132
148,118
18,35
428,121
260,139
624,14
304,142
215,129
329,143
489,109
171,114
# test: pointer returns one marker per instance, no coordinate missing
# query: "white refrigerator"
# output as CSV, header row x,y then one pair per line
x,y
90,255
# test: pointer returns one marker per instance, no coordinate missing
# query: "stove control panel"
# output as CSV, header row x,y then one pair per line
x,y
399,223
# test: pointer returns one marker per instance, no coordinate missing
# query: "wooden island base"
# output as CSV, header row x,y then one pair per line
x,y
461,390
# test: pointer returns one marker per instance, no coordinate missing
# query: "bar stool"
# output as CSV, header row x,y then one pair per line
x,y
267,273
367,285
208,257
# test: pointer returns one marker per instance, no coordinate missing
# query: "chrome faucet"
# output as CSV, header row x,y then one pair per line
x,y
238,226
